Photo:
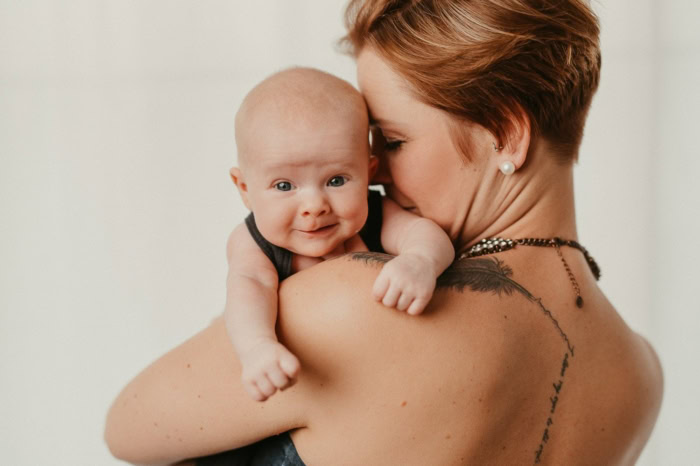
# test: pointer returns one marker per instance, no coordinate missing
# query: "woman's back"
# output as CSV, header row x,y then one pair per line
x,y
512,374
502,368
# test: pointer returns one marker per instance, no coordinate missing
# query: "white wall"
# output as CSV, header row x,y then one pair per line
x,y
115,140
676,225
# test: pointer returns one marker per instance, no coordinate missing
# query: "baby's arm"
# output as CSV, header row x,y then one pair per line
x,y
423,252
250,315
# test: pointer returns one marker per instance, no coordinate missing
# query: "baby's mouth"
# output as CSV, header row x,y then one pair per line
x,y
320,230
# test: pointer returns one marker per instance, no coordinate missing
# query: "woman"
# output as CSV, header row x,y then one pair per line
x,y
478,109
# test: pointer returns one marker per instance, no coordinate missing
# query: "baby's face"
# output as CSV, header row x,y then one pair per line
x,y
308,188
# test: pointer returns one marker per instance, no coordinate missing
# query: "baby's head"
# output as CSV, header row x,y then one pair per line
x,y
304,160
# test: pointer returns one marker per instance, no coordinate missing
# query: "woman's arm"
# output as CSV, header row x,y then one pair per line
x,y
191,403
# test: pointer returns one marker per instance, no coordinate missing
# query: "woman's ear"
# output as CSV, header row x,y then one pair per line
x,y
237,178
517,145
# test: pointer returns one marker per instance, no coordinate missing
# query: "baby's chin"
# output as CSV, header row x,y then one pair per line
x,y
314,251
321,249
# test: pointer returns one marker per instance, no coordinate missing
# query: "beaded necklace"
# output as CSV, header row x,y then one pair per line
x,y
494,245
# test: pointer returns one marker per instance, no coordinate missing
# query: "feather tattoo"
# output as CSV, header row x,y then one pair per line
x,y
482,275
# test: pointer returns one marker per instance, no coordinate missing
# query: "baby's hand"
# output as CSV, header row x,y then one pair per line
x,y
406,283
266,367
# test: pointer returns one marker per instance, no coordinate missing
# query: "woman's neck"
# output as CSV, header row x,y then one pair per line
x,y
536,201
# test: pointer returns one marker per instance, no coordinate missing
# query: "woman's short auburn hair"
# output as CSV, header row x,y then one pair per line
x,y
490,61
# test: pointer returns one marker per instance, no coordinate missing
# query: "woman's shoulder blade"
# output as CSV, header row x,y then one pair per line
x,y
331,305
345,284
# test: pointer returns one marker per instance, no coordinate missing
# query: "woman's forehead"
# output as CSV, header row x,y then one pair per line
x,y
387,94
374,76
391,103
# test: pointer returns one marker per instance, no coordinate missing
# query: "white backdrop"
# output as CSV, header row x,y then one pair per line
x,y
116,134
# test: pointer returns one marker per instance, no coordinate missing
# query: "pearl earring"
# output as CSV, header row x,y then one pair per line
x,y
507,168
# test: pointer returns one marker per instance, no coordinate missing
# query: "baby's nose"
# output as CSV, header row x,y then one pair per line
x,y
315,206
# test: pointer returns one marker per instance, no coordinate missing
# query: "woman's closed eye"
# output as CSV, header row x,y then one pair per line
x,y
337,181
383,144
392,145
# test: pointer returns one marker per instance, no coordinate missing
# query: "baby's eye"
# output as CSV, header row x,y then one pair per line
x,y
283,186
337,181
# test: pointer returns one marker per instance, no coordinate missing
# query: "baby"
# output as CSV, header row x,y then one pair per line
x,y
304,169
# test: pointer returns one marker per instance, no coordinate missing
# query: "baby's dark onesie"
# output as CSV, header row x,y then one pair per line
x,y
273,451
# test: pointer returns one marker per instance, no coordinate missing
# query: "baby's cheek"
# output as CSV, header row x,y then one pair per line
x,y
353,208
273,226
359,215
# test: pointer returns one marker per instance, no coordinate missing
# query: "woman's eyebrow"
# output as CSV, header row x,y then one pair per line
x,y
379,122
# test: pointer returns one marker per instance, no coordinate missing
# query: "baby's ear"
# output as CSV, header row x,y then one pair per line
x,y
237,178
373,165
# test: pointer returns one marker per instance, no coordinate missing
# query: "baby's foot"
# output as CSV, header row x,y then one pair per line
x,y
267,367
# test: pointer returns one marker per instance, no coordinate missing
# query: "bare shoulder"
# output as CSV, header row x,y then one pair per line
x,y
238,238
651,375
318,304
331,304
327,313
334,298
333,274
653,361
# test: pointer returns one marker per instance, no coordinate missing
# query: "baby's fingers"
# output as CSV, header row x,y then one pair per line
x,y
417,306
289,364
278,378
252,389
381,285
265,387
404,301
391,297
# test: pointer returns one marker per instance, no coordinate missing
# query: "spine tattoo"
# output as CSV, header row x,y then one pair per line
x,y
489,274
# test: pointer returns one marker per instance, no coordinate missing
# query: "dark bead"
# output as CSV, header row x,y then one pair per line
x,y
579,302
